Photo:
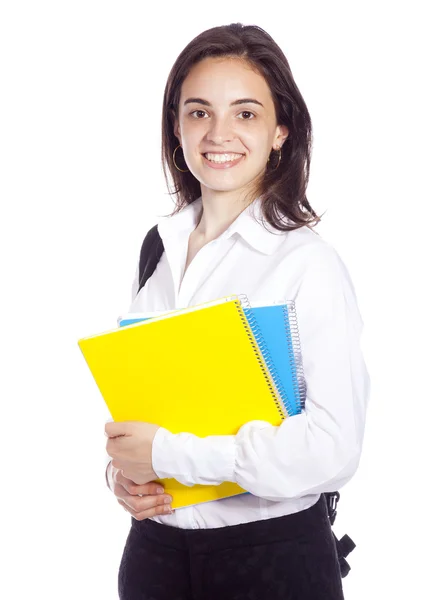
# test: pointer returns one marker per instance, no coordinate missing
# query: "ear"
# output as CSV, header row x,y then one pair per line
x,y
177,129
281,135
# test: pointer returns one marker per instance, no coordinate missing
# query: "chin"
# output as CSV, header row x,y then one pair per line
x,y
222,181
220,187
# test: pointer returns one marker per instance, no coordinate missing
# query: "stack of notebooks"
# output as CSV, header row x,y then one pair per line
x,y
206,370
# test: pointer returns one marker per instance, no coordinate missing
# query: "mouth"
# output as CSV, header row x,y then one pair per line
x,y
222,161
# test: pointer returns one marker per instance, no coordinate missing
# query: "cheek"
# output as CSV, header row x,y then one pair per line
x,y
193,128
192,139
255,139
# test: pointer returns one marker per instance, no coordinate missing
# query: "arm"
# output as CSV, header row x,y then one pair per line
x,y
313,452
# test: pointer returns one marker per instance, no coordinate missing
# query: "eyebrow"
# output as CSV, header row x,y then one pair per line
x,y
235,103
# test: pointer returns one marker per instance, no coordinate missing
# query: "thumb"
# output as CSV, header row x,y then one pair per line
x,y
115,429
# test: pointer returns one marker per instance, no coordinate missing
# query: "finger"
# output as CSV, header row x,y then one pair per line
x,y
133,488
117,464
159,509
117,447
116,428
131,501
140,503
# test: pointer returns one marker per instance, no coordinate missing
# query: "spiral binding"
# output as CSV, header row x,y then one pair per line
x,y
295,355
245,310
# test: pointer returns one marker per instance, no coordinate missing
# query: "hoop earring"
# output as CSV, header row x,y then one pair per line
x,y
175,164
279,159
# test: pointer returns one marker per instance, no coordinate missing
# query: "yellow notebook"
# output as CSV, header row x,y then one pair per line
x,y
198,370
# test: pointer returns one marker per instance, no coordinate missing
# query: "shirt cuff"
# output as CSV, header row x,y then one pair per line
x,y
193,460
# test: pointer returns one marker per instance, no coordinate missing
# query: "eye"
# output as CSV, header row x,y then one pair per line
x,y
197,111
247,112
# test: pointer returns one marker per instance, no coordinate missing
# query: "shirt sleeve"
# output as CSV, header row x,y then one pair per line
x,y
313,452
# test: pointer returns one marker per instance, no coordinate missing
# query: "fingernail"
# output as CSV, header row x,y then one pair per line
x,y
159,490
168,499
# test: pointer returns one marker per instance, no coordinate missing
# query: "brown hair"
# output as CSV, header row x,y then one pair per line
x,y
282,190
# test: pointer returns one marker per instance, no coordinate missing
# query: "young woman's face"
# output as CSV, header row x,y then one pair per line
x,y
226,108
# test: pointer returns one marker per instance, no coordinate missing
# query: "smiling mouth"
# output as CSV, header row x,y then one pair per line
x,y
227,157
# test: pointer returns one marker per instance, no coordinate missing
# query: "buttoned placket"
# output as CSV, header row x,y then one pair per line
x,y
187,283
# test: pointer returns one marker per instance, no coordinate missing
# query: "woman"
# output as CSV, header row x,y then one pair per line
x,y
237,141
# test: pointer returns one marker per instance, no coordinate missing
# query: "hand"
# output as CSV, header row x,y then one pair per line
x,y
127,493
130,447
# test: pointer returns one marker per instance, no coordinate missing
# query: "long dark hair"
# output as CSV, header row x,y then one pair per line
x,y
282,190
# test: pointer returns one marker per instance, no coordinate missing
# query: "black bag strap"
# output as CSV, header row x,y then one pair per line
x,y
150,254
345,545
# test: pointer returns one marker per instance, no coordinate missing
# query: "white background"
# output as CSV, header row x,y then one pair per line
x,y
82,86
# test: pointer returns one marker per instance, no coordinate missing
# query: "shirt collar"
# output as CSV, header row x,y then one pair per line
x,y
263,237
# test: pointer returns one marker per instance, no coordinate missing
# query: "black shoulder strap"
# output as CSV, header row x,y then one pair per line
x,y
345,545
150,254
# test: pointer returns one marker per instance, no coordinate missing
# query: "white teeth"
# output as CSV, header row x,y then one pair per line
x,y
220,158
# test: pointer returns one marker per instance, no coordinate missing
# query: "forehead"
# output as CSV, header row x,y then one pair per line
x,y
221,80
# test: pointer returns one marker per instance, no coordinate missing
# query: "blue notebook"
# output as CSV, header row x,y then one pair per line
x,y
278,326
275,328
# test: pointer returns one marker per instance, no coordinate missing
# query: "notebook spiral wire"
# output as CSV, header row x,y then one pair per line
x,y
244,309
296,355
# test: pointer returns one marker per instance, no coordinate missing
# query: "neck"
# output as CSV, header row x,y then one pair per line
x,y
219,211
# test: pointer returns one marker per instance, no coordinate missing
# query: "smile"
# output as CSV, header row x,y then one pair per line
x,y
222,161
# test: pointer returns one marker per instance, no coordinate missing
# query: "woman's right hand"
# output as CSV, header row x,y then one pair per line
x,y
127,493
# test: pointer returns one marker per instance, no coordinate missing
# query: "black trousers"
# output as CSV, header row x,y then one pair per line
x,y
289,558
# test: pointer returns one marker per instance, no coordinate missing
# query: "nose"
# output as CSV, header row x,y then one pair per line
x,y
220,131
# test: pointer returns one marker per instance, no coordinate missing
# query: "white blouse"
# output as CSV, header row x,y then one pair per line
x,y
285,468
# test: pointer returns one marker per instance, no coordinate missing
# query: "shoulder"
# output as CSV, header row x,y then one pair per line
x,y
308,249
315,263
324,284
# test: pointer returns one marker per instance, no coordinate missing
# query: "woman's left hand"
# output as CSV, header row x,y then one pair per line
x,y
130,447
